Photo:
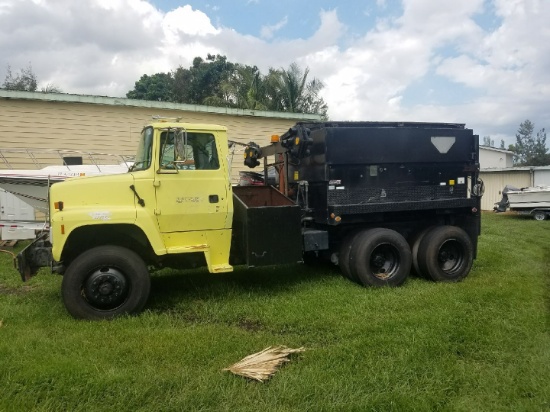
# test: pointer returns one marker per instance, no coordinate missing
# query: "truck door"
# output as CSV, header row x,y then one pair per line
x,y
191,187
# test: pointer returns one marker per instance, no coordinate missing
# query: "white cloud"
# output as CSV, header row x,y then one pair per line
x,y
104,46
511,68
267,32
187,21
5,7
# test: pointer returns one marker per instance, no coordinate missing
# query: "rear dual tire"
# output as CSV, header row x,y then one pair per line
x,y
415,244
382,257
376,257
344,257
445,254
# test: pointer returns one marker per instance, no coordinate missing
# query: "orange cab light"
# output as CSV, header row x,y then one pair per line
x,y
274,138
58,205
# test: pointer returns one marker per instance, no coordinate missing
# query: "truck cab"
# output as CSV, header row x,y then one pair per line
x,y
175,203
176,198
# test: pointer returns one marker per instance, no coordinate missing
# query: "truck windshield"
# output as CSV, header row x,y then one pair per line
x,y
144,151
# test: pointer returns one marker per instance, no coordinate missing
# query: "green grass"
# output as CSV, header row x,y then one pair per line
x,y
479,345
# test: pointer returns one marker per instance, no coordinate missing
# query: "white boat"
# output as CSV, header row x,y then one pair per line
x,y
537,197
31,185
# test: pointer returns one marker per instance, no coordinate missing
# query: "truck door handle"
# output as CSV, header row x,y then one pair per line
x,y
141,202
213,199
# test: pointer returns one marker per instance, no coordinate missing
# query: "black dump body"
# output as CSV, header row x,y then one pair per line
x,y
355,169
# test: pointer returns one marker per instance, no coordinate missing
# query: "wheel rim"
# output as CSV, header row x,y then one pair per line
x,y
105,288
539,216
384,261
451,256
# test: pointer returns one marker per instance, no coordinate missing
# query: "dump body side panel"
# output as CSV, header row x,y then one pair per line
x,y
266,227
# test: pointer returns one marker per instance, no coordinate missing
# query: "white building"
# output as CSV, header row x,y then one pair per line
x,y
493,158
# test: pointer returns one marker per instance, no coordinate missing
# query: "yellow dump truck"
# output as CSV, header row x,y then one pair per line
x,y
379,199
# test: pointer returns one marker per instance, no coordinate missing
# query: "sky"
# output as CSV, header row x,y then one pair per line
x,y
485,63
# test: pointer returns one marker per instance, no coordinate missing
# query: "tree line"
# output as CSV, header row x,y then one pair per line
x,y
25,81
215,81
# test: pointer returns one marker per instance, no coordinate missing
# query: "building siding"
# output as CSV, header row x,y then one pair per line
x,y
36,122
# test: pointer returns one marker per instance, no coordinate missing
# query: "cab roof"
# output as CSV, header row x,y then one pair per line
x,y
173,124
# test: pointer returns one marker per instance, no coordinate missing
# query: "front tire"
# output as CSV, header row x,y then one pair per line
x,y
105,282
446,254
380,257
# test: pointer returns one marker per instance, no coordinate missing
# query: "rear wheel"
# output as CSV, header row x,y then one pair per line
x,y
446,254
380,257
415,244
344,257
105,282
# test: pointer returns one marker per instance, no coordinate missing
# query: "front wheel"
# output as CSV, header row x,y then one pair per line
x,y
446,254
105,282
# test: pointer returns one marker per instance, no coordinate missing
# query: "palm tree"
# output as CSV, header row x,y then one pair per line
x,y
249,88
289,90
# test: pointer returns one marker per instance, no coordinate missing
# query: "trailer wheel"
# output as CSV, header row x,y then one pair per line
x,y
539,215
105,282
380,257
344,257
446,254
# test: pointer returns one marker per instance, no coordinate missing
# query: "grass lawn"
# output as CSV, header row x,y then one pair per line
x,y
479,345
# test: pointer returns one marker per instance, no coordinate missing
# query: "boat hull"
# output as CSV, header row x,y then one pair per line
x,y
529,198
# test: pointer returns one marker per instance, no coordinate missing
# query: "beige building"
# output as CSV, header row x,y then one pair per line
x,y
496,179
113,125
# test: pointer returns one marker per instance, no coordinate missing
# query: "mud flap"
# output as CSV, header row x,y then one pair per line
x,y
36,255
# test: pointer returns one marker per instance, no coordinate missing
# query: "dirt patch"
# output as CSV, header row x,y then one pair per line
x,y
250,325
10,290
